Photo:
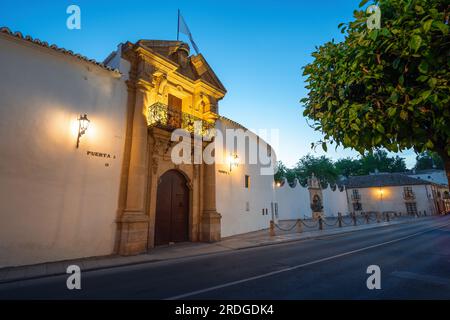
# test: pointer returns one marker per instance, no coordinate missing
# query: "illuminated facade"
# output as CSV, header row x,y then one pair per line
x,y
86,166
391,192
168,89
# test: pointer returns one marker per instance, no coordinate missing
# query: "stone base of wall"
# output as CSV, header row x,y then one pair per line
x,y
210,226
133,228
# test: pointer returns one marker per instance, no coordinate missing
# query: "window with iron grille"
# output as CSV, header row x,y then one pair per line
x,y
411,208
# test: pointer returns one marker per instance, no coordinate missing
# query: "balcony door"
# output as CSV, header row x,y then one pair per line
x,y
174,112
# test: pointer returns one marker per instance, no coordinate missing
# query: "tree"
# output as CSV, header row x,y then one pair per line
x,y
348,167
284,172
322,167
385,88
280,172
429,160
379,160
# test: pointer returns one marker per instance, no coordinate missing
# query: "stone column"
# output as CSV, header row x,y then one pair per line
x,y
210,219
134,220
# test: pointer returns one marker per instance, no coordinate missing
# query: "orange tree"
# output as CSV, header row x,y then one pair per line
x,y
387,87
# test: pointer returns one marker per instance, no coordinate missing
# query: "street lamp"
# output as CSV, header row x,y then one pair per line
x,y
381,191
233,159
83,125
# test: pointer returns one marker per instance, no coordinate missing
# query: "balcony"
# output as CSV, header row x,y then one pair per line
x,y
409,195
356,197
162,116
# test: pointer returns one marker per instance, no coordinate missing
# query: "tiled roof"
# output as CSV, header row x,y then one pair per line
x,y
382,180
54,47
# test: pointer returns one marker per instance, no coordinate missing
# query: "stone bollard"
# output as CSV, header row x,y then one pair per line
x,y
387,217
340,220
425,213
320,223
272,228
366,216
299,226
378,217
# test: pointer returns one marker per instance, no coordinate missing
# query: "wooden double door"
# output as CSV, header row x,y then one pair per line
x,y
172,209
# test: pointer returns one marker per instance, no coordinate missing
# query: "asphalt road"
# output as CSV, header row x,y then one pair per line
x,y
414,259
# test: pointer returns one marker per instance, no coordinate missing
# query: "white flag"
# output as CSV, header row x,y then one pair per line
x,y
183,28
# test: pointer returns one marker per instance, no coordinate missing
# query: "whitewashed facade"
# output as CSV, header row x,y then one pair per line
x,y
56,201
244,208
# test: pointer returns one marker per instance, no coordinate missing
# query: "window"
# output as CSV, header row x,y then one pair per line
x,y
408,193
269,151
247,182
411,208
356,195
276,209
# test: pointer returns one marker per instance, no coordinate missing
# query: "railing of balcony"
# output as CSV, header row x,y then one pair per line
x,y
162,116
409,195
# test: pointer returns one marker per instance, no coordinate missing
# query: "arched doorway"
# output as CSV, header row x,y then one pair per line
x,y
172,209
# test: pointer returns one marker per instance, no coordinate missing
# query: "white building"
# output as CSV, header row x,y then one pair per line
x,y
118,189
390,192
433,175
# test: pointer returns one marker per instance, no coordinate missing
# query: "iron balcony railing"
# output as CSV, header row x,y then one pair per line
x,y
409,195
162,116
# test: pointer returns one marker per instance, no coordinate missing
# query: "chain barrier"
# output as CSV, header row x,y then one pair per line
x,y
330,225
347,223
306,225
288,229
365,218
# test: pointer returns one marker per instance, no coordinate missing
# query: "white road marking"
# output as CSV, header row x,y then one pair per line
x,y
269,274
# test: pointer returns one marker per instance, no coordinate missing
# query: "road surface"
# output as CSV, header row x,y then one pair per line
x,y
414,260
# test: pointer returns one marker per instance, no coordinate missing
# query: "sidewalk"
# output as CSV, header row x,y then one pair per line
x,y
190,249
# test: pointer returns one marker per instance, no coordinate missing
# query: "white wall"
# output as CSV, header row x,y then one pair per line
x,y
392,199
232,196
293,202
334,202
56,202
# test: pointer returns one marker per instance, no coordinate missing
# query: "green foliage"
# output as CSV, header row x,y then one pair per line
x,y
322,167
429,160
387,88
348,167
328,172
370,162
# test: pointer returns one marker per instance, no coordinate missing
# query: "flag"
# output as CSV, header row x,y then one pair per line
x,y
183,28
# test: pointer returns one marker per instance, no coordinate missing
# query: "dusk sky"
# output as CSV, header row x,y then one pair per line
x,y
257,49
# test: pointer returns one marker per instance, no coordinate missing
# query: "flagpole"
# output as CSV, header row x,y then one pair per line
x,y
178,25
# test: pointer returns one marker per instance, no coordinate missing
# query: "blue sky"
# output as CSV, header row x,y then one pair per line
x,y
257,48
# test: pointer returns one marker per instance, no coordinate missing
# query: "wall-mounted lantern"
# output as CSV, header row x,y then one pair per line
x,y
83,125
233,159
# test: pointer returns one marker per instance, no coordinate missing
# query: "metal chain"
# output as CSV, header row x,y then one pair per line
x,y
332,224
288,229
314,226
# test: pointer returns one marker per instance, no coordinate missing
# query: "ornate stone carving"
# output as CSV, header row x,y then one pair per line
x,y
154,165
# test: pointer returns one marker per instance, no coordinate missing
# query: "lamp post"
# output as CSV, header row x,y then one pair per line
x,y
83,125
233,160
381,198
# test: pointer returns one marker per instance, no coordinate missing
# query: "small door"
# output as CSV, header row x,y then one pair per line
x,y
172,209
174,115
